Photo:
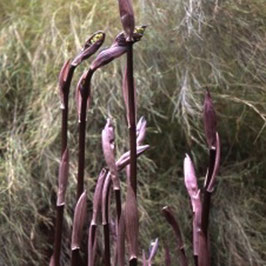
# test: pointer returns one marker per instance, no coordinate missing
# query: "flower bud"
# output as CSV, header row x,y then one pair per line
x,y
90,47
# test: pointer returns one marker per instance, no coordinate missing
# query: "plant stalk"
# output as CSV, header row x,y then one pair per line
x,y
132,119
85,93
64,130
207,195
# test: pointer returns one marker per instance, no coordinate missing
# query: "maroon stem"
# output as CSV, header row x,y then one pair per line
x,y
107,254
133,262
65,110
85,93
207,195
118,203
64,130
58,234
132,119
75,259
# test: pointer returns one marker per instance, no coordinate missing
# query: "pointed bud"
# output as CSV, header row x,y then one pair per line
x,y
141,130
153,249
127,17
79,219
63,178
91,46
190,180
209,119
62,82
108,138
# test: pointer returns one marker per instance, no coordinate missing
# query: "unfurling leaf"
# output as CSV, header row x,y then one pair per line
x,y
209,119
108,139
79,219
63,178
91,46
190,180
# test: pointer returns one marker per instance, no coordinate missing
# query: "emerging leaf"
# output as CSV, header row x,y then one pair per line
x,y
153,249
108,138
79,219
190,180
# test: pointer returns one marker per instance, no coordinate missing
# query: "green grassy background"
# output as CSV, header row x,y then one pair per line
x,y
188,46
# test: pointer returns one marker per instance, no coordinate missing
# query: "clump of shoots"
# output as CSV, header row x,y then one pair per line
x,y
65,77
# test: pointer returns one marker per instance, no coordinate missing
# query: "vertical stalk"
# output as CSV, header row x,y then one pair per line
x,y
64,130
85,93
207,195
132,119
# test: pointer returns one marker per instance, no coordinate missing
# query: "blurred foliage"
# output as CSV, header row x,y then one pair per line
x,y
188,46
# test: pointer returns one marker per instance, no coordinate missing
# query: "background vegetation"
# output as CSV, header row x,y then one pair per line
x,y
189,45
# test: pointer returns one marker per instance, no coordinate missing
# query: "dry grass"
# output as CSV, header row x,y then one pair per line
x,y
190,45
